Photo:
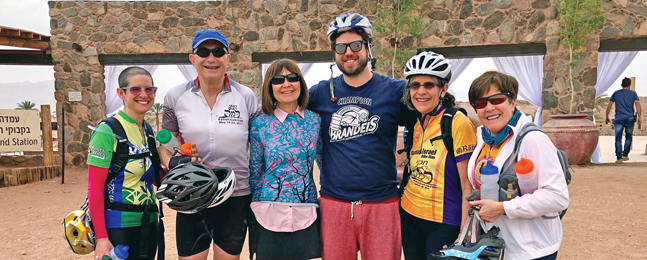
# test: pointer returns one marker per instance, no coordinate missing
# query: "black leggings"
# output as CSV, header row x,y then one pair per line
x,y
132,237
421,237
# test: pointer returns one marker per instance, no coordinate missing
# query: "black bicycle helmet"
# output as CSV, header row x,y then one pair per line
x,y
193,186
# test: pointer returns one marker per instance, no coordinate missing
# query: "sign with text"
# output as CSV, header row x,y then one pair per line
x,y
19,130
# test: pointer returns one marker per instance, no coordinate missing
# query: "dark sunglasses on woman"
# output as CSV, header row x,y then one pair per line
x,y
494,100
427,85
135,90
204,52
279,79
355,46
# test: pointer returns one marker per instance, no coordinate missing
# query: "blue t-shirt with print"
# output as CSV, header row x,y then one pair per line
x,y
359,132
624,100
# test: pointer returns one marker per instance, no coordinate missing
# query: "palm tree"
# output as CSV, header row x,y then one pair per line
x,y
157,110
27,105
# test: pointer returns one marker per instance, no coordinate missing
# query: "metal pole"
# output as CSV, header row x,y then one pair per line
x,y
62,144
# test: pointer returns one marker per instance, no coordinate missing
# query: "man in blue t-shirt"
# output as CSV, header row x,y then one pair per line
x,y
624,118
360,113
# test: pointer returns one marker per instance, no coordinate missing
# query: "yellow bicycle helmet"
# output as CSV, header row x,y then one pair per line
x,y
78,231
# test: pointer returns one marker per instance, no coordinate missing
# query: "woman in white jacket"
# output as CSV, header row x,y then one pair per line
x,y
527,234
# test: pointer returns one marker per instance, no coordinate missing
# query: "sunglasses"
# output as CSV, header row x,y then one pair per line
x,y
137,90
427,85
279,79
494,100
204,52
355,46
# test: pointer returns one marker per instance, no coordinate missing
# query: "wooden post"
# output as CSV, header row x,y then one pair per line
x,y
46,126
633,87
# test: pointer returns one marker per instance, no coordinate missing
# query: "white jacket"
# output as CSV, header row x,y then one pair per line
x,y
527,235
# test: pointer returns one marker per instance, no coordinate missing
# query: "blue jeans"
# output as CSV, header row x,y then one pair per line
x,y
628,126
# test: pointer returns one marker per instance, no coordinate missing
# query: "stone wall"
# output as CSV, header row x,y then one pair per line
x,y
300,25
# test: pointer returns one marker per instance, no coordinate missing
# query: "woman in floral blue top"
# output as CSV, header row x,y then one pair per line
x,y
285,143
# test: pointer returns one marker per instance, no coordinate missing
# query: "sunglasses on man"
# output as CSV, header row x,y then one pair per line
x,y
279,79
204,52
355,46
135,90
494,100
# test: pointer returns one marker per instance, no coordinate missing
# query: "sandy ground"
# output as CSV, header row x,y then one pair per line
x,y
637,154
604,221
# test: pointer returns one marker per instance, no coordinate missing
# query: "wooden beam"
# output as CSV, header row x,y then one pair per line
x,y
157,58
18,42
481,51
46,126
627,44
306,56
25,58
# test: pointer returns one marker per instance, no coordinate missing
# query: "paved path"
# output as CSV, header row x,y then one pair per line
x,y
637,154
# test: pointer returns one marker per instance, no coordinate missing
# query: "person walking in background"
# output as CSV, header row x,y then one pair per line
x,y
123,208
360,113
433,209
214,113
624,117
529,224
285,142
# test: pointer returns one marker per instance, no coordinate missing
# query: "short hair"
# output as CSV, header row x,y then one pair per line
x,y
448,100
132,71
504,83
626,82
365,37
268,100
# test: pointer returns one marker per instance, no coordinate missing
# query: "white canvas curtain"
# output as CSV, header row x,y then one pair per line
x,y
111,73
610,66
458,67
529,72
188,71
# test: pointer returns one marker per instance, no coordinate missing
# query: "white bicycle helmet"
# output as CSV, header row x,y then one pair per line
x,y
428,63
349,21
192,187
226,185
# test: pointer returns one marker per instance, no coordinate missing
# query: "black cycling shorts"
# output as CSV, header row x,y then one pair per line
x,y
226,222
132,237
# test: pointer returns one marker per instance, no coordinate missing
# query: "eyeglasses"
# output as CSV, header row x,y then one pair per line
x,y
355,46
427,85
135,90
204,52
494,100
279,79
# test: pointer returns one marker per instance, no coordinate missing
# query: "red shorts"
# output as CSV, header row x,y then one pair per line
x,y
374,226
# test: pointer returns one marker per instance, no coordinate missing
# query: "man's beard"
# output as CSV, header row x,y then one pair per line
x,y
361,66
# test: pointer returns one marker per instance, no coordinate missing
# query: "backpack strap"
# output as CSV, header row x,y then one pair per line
x,y
446,129
120,159
508,166
152,147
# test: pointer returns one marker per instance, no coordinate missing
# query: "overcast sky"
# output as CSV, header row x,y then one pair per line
x,y
12,14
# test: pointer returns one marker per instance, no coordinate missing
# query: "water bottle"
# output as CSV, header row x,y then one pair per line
x,y
168,140
490,182
527,177
120,252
